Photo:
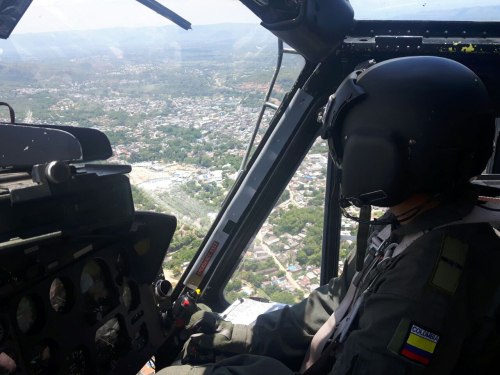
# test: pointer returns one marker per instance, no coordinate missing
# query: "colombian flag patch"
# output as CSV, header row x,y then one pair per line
x,y
414,342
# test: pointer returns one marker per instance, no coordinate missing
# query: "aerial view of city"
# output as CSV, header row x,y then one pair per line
x,y
181,110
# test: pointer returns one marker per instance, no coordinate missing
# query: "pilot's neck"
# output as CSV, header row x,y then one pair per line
x,y
412,202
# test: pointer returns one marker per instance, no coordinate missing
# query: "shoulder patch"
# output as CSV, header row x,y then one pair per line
x,y
449,265
413,342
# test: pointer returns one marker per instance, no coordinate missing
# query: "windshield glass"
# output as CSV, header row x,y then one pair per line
x,y
438,10
179,106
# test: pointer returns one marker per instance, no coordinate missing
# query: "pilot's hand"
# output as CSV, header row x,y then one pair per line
x,y
209,330
211,337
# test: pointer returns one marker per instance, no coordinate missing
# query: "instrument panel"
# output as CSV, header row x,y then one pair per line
x,y
86,305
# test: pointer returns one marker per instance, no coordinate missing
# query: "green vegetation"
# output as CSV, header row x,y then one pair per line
x,y
284,197
296,220
142,201
209,193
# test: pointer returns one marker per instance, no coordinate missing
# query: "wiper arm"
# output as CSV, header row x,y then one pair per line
x,y
167,13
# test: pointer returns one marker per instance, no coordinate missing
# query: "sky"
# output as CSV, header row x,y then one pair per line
x,y
62,15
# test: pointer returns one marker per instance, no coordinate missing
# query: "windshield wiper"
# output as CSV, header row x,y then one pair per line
x,y
167,13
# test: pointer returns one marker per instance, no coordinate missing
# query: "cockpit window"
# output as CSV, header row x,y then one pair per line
x,y
283,263
435,10
179,106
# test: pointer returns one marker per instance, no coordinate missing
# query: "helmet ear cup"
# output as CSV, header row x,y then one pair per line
x,y
372,171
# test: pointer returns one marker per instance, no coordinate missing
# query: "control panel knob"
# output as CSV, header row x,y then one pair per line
x,y
162,288
58,172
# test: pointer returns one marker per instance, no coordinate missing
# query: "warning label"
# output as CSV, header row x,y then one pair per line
x,y
209,256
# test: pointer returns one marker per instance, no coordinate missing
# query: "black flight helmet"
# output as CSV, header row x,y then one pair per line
x,y
408,125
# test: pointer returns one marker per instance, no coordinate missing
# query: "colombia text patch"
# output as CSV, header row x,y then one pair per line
x,y
414,342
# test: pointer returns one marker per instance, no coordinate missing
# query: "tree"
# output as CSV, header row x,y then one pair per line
x,y
302,258
234,285
300,294
284,197
231,296
283,297
271,289
281,273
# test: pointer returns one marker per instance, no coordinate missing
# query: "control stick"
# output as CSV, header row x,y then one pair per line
x,y
184,307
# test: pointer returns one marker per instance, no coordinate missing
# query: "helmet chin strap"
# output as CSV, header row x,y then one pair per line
x,y
362,237
365,221
396,220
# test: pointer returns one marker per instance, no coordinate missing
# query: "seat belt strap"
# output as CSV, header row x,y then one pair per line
x,y
339,322
325,332
316,359
328,329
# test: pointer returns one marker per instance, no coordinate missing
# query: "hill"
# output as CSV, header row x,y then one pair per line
x,y
163,42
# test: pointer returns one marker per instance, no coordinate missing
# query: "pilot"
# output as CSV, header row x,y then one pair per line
x,y
409,134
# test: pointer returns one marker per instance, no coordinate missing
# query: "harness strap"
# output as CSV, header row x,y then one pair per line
x,y
340,331
324,333
339,322
336,323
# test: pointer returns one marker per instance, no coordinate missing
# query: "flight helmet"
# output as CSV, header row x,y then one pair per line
x,y
408,125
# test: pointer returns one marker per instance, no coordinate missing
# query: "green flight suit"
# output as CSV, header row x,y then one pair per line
x,y
412,291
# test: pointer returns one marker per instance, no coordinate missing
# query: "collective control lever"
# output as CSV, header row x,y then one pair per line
x,y
184,307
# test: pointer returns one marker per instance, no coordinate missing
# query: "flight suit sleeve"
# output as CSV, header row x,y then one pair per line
x,y
244,364
408,325
278,341
286,334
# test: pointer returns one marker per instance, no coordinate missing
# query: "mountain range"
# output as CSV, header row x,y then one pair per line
x,y
169,41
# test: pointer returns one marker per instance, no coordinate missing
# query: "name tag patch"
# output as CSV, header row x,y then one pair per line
x,y
413,342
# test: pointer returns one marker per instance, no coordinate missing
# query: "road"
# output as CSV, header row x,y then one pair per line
x,y
289,201
288,274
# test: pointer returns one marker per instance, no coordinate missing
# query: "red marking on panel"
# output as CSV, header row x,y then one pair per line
x,y
209,256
